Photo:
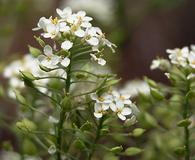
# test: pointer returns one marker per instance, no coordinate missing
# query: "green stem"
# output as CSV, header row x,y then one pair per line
x,y
62,115
186,129
96,139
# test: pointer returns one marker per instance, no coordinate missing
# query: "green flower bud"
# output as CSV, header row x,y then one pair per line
x,y
116,150
26,125
131,151
184,123
138,132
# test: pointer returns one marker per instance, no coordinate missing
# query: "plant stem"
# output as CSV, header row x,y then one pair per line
x,y
186,129
96,139
62,115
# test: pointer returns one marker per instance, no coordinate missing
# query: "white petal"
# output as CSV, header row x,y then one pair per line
x,y
105,106
101,61
66,45
55,59
126,111
113,107
65,62
81,13
98,115
80,33
41,58
86,24
93,41
86,18
122,117
127,101
94,96
53,119
48,50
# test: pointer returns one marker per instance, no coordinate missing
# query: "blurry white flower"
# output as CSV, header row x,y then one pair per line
x,y
52,119
52,149
191,59
134,87
66,45
43,22
100,61
65,13
179,56
120,109
104,99
101,9
160,63
49,60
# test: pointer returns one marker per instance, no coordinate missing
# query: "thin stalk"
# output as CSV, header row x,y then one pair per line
x,y
96,139
62,115
186,129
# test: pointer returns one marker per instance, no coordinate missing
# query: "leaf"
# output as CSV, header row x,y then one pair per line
x,y
86,126
179,151
131,151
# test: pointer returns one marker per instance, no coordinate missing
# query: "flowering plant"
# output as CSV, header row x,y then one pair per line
x,y
70,107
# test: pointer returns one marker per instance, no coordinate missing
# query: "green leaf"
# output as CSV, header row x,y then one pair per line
x,y
184,123
29,147
151,83
131,151
116,150
35,52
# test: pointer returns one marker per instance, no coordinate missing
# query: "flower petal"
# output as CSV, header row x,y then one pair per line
x,y
126,111
66,45
65,62
48,50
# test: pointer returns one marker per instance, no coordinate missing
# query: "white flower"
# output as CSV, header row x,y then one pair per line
x,y
134,87
65,61
91,36
100,61
100,108
52,119
178,56
52,149
65,13
191,59
66,45
155,64
63,27
52,31
120,109
104,98
43,22
122,98
49,60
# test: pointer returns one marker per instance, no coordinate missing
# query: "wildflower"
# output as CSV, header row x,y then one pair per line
x,y
66,45
120,109
52,149
100,108
122,98
100,61
65,13
179,56
49,60
191,59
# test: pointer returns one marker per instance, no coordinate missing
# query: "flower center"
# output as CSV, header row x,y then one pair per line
x,y
54,21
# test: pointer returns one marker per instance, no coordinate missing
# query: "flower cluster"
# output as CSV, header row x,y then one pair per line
x,y
183,57
27,64
68,28
118,103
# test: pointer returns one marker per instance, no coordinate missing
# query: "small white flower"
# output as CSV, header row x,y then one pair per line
x,y
120,109
63,27
122,98
66,45
65,62
104,99
65,13
43,22
191,59
49,60
100,109
178,56
155,64
100,61
52,149
52,119
52,31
